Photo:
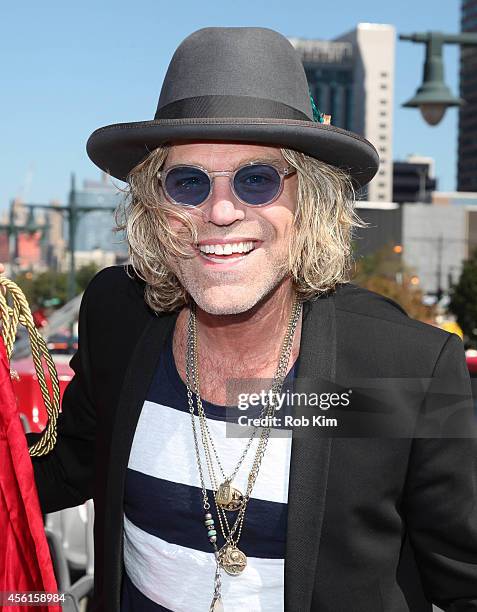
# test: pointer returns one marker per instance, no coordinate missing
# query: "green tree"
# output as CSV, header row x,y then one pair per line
x,y
45,286
384,272
39,287
48,285
463,299
84,275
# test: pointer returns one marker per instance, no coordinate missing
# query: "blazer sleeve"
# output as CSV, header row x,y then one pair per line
x,y
440,500
64,477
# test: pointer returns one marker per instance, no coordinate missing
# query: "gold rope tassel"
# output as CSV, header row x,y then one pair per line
x,y
19,312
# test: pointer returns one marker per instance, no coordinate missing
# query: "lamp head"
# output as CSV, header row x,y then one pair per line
x,y
433,99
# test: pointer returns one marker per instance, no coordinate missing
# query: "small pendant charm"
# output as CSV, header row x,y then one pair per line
x,y
217,605
228,497
232,560
210,526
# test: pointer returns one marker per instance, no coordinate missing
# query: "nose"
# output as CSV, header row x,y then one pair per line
x,y
223,208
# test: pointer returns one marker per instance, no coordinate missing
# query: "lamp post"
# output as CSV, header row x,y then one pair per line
x,y
433,97
72,213
72,223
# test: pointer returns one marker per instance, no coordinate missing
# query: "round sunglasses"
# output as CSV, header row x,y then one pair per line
x,y
254,184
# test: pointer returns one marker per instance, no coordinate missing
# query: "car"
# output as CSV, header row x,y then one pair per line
x,y
62,342
27,390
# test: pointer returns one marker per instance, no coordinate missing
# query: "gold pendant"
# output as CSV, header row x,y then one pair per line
x,y
232,560
228,497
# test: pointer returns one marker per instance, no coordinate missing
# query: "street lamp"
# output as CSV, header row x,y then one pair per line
x,y
31,225
433,97
73,214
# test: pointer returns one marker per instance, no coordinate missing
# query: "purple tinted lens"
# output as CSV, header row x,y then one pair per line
x,y
189,186
257,183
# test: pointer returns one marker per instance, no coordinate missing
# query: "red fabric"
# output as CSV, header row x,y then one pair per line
x,y
25,562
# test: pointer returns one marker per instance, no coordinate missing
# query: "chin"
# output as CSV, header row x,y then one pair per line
x,y
227,300
231,296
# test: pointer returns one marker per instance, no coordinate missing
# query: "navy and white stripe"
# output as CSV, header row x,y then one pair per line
x,y
168,560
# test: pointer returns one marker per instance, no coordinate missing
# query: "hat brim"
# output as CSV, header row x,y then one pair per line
x,y
118,148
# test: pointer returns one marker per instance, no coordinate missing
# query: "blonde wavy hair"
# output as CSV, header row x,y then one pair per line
x,y
320,248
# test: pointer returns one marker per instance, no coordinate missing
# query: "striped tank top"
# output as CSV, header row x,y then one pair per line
x,y
168,563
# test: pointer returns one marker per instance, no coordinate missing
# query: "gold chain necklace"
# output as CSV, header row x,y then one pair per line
x,y
227,497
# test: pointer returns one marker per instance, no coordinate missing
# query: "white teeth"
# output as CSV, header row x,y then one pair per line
x,y
227,249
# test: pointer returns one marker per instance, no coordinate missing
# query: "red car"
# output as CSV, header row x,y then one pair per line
x,y
61,345
27,390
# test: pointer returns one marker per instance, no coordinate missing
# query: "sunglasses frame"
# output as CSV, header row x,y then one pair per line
x,y
282,173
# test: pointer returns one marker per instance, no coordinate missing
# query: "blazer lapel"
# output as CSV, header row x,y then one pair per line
x,y
310,456
133,393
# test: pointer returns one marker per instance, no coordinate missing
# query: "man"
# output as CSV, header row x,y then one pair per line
x,y
239,223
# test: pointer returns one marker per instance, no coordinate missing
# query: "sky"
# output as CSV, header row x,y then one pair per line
x,y
68,68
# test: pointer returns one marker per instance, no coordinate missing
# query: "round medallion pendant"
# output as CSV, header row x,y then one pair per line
x,y
228,497
232,560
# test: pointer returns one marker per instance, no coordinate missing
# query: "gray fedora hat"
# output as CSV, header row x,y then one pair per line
x,y
234,84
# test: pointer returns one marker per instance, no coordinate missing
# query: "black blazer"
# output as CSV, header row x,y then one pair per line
x,y
374,524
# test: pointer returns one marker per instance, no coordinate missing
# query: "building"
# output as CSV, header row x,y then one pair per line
x,y
435,238
436,242
467,155
101,259
466,203
454,198
384,229
95,229
352,79
329,68
414,180
22,238
4,249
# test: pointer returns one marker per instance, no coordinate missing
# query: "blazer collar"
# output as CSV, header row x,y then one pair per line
x,y
309,455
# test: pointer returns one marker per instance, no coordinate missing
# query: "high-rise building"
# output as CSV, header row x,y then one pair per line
x,y
351,78
467,156
95,229
329,68
414,180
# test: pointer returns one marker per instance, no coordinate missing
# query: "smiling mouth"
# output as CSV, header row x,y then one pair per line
x,y
220,253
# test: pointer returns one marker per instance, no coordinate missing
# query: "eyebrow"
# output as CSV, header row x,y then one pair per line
x,y
261,160
275,161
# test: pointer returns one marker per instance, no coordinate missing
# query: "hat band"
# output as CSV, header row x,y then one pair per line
x,y
228,106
